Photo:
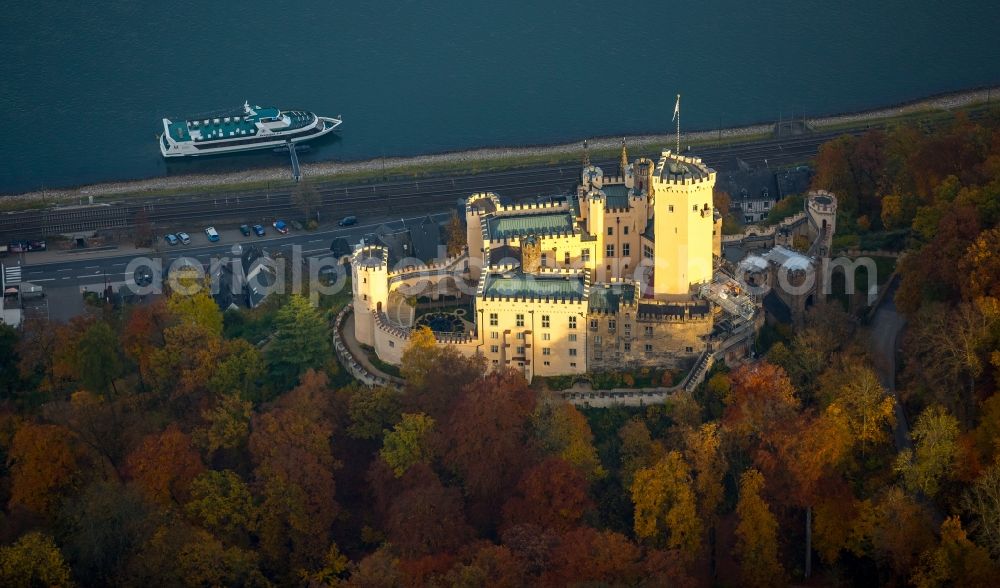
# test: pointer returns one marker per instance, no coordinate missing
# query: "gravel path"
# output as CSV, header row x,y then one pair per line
x,y
331,168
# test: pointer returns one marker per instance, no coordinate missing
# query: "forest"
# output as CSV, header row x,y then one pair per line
x,y
170,444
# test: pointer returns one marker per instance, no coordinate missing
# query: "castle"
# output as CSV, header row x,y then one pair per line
x,y
620,274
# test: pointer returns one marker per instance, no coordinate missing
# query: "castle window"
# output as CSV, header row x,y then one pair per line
x,y
493,319
572,322
628,346
572,351
519,320
546,351
649,331
495,362
585,255
694,208
593,324
546,363
364,297
392,343
689,349
495,335
521,335
597,339
626,249
572,364
647,251
611,325
566,258
545,321
628,328
572,337
611,231
609,251
625,230
364,280
546,336
649,347
495,348
545,260
670,208
520,350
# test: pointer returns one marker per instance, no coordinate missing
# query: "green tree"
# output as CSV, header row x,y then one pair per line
x,y
98,361
34,560
372,410
198,308
408,443
228,424
562,430
931,460
756,534
221,502
665,509
456,235
301,341
866,406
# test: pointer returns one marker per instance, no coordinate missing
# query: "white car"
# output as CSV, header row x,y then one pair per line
x,y
184,237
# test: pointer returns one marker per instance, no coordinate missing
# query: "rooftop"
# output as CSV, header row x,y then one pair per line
x,y
507,227
534,286
617,195
607,297
675,169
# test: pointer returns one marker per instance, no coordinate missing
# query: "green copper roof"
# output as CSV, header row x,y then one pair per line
x,y
607,299
617,195
507,227
534,286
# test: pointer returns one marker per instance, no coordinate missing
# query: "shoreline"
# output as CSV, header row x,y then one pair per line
x,y
331,169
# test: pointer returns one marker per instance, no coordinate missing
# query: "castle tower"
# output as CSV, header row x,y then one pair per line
x,y
477,206
821,210
623,163
531,255
370,284
596,205
683,219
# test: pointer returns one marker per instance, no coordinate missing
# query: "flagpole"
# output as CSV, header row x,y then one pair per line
x,y
677,111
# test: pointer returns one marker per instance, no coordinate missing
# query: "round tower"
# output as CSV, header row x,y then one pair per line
x,y
821,210
476,206
596,205
370,285
592,177
683,219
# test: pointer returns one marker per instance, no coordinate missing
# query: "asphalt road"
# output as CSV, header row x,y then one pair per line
x,y
82,268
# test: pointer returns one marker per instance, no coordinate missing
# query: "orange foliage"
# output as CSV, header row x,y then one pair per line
x,y
164,465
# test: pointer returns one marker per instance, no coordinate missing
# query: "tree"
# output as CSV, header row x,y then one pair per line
x,y
98,363
44,466
228,424
306,198
586,556
427,519
372,410
177,554
10,376
638,450
196,309
930,461
552,494
703,450
761,399
562,430
456,235
982,501
142,231
301,341
493,565
865,405
221,502
164,465
34,560
955,561
756,534
419,356
408,443
36,352
665,509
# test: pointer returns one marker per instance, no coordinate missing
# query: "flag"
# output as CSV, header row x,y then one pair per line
x,y
677,108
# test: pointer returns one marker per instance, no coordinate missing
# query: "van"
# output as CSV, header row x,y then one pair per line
x,y
212,234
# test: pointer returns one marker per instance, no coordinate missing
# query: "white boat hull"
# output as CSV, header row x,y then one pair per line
x,y
171,148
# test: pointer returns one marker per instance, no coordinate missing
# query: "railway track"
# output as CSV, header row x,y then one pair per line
x,y
404,196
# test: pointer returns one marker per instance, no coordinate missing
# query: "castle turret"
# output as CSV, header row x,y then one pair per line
x,y
596,205
623,162
821,210
683,220
531,255
370,284
477,206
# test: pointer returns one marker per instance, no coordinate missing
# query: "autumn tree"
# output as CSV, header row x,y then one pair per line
x,y
408,443
98,362
33,560
427,519
196,309
760,400
222,503
456,235
665,506
164,465
930,461
551,494
44,466
955,561
866,407
756,535
227,424
638,449
372,411
178,554
301,341
419,356
562,430
982,501
587,556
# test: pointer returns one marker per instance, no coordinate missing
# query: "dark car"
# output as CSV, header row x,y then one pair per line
x,y
245,229
340,247
347,221
258,230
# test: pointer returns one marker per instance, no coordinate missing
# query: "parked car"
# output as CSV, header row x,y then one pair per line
x,y
212,234
280,226
170,239
258,230
245,229
347,221
184,237
339,247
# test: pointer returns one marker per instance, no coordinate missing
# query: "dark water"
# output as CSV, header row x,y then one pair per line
x,y
83,85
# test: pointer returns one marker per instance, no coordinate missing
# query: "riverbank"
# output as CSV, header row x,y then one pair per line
x,y
487,159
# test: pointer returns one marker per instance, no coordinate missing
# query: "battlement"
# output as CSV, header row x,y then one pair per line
x,y
404,333
371,257
530,207
682,170
821,201
474,203
658,311
426,268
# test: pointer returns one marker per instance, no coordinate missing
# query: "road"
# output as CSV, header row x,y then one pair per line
x,y
885,329
85,268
